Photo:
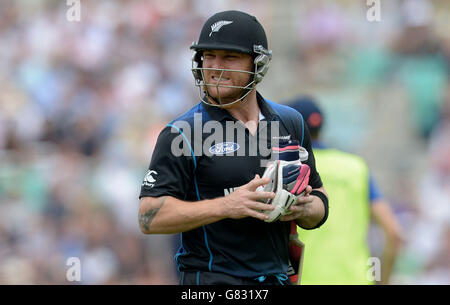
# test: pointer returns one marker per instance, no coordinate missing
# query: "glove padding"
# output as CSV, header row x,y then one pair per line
x,y
288,180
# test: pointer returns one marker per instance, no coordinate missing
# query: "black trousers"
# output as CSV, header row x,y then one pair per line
x,y
217,278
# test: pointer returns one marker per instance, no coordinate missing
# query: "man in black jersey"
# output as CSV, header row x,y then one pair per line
x,y
207,185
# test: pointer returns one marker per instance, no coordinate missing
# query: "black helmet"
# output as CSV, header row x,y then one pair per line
x,y
232,31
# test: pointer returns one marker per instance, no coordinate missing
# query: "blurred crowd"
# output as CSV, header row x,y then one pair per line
x,y
81,105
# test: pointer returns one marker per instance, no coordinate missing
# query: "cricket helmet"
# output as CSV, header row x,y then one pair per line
x,y
232,31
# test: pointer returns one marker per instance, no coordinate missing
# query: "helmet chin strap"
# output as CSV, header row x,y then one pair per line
x,y
218,103
206,97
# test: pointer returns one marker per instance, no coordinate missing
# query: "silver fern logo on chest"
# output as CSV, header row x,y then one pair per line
x,y
218,25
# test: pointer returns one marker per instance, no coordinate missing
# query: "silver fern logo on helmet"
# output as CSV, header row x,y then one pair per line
x,y
218,25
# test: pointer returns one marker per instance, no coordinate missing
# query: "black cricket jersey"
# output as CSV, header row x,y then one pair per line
x,y
191,164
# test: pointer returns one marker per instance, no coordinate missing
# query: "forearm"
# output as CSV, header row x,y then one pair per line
x,y
387,263
390,252
313,215
167,215
314,212
384,217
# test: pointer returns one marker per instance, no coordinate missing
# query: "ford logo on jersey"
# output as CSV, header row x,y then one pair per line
x,y
223,148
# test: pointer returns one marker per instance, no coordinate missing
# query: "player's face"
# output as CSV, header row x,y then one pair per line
x,y
221,59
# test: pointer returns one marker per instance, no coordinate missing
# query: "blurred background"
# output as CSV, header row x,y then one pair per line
x,y
81,105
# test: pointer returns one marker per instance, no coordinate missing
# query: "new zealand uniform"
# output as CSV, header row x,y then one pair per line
x,y
248,250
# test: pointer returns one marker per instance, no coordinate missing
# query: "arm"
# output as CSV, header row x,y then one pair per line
x,y
166,214
385,218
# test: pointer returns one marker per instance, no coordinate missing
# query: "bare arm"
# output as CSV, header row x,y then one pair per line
x,y
385,218
166,215
170,215
309,210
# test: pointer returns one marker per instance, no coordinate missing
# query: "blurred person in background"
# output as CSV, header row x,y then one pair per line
x,y
338,252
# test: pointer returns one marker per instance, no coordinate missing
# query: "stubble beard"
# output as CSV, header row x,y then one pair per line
x,y
229,96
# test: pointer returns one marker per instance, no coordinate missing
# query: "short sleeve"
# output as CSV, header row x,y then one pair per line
x,y
374,191
171,168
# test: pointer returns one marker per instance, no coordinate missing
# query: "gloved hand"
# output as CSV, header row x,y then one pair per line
x,y
288,180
